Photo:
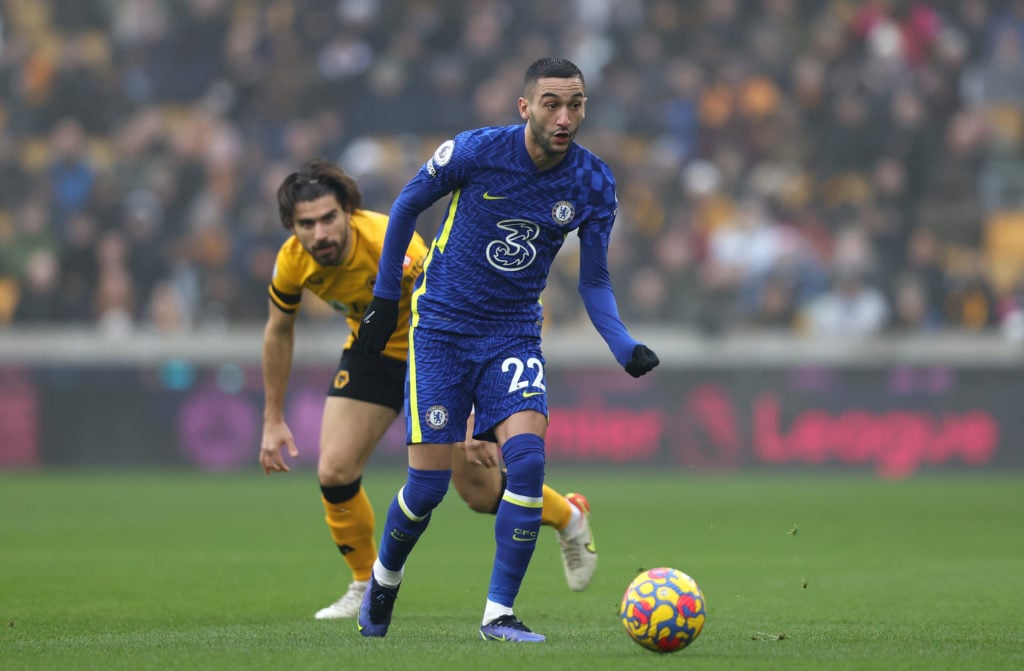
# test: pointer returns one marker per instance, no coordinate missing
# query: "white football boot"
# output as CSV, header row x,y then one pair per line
x,y
579,553
347,605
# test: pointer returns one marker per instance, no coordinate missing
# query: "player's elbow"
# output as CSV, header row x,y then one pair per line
x,y
279,330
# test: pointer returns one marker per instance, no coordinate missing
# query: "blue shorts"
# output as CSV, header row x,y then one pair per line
x,y
453,374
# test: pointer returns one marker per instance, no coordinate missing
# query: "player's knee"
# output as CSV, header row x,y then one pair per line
x,y
530,468
332,476
337,470
524,461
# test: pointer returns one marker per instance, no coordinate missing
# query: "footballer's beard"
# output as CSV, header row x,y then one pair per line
x,y
326,253
545,139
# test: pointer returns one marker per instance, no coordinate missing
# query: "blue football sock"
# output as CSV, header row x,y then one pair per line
x,y
409,514
518,520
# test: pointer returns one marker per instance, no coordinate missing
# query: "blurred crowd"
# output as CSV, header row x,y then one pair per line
x,y
828,167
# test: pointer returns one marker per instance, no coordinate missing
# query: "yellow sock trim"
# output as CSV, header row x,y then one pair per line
x,y
556,512
352,523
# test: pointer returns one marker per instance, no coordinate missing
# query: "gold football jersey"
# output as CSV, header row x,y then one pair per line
x,y
348,288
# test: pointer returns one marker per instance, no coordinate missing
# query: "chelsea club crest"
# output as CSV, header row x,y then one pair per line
x,y
437,417
563,212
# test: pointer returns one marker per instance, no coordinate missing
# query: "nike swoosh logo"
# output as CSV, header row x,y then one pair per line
x,y
488,196
369,316
528,394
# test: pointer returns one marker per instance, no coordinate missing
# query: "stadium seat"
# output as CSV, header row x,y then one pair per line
x,y
1004,248
8,299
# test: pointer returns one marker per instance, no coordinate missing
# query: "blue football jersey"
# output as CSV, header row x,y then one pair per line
x,y
504,224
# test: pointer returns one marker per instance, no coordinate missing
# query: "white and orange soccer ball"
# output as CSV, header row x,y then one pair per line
x,y
663,610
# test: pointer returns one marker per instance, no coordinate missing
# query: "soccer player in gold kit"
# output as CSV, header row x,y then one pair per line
x,y
333,252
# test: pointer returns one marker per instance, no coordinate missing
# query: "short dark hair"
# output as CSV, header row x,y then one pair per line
x,y
550,66
315,178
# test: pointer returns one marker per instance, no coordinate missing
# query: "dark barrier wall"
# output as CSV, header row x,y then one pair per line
x,y
891,421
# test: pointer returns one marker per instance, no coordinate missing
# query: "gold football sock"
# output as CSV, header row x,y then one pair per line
x,y
352,523
556,512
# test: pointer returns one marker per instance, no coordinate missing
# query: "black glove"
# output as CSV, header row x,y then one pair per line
x,y
643,361
379,322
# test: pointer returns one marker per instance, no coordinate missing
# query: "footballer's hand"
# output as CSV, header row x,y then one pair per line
x,y
276,436
379,323
480,452
644,360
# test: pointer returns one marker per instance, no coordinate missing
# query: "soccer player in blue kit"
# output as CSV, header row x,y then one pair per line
x,y
475,344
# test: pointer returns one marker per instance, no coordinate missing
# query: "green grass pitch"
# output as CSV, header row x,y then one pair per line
x,y
190,571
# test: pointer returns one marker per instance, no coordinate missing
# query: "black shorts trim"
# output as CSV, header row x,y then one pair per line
x,y
366,378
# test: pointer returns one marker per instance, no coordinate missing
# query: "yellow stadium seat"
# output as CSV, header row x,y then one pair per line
x,y
9,295
1004,248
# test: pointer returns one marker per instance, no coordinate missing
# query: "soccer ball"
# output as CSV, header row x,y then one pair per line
x,y
663,610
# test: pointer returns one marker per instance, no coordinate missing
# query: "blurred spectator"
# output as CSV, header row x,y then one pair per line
x,y
79,268
951,204
1009,15
924,266
971,18
15,181
71,175
114,301
166,313
851,308
1000,77
851,139
776,296
647,295
30,231
739,251
773,302
971,303
911,311
40,299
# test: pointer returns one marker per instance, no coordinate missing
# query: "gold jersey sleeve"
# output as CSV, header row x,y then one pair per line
x,y
348,287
